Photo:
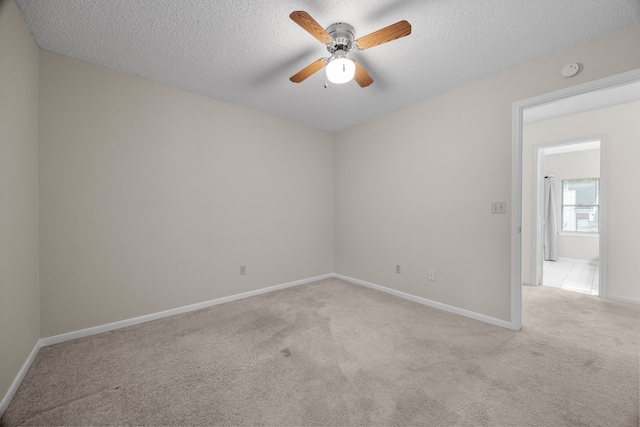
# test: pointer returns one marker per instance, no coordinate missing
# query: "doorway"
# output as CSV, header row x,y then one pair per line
x,y
552,104
568,185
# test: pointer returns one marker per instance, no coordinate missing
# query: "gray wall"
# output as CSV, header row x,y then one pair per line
x,y
19,292
152,197
415,187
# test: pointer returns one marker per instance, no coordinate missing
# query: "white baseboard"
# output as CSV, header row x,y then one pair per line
x,y
579,261
623,299
4,404
430,303
56,339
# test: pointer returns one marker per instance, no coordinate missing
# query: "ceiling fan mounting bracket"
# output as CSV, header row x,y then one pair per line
x,y
342,35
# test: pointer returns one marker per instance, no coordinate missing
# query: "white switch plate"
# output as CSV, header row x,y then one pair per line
x,y
498,207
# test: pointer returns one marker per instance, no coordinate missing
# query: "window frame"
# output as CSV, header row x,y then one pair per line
x,y
596,205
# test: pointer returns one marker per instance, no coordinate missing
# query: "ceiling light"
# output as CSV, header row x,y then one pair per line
x,y
340,69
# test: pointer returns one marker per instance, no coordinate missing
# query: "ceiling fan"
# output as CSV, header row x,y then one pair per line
x,y
339,39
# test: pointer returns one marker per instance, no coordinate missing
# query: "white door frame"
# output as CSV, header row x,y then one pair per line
x,y
516,174
537,208
537,228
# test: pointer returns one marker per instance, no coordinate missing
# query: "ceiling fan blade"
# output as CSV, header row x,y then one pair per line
x,y
308,70
387,34
362,77
305,20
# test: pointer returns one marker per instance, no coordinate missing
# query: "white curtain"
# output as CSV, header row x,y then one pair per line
x,y
550,232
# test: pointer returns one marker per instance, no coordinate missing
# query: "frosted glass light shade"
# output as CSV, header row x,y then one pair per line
x,y
340,70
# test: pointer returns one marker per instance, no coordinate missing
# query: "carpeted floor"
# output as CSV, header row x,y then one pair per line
x,y
334,353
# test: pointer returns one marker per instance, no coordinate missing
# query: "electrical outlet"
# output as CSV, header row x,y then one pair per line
x,y
397,268
432,275
243,270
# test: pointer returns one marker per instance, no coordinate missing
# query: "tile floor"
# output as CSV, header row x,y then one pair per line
x,y
572,275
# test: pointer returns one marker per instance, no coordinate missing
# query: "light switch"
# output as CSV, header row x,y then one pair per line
x,y
498,207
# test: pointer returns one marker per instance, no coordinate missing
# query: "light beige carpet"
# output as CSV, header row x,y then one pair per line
x,y
333,353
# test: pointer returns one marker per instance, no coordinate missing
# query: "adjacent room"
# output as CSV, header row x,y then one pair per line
x,y
572,184
277,213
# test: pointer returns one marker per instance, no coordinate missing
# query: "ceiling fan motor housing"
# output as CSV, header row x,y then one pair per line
x,y
343,36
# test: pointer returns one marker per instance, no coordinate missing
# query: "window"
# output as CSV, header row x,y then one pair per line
x,y
580,205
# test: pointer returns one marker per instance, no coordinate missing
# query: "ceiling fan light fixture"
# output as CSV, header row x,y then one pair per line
x,y
340,69
339,39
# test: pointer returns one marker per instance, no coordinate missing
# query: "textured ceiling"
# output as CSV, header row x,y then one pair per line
x,y
244,52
